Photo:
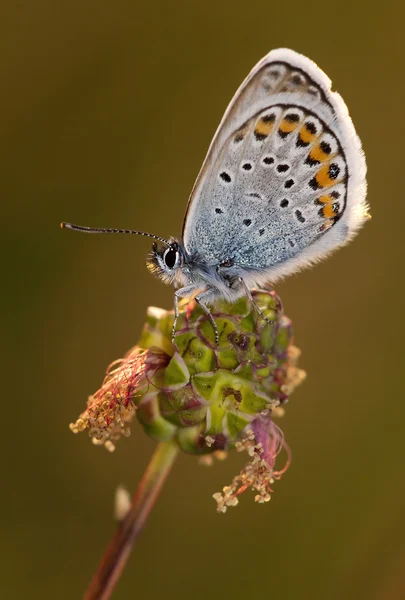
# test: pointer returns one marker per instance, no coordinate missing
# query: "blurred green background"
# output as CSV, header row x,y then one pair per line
x,y
107,109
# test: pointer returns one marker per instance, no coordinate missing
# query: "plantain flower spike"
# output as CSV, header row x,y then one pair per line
x,y
209,398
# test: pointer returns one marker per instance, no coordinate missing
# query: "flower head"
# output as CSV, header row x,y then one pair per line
x,y
207,397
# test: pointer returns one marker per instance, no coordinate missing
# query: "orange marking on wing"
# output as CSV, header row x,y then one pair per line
x,y
305,135
326,199
263,128
328,211
323,179
318,154
287,126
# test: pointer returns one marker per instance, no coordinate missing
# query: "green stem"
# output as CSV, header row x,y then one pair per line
x,y
115,558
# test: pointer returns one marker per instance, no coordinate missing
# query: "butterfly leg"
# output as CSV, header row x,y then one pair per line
x,y
200,301
181,293
252,301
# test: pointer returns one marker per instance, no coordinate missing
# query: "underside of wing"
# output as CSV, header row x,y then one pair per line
x,y
283,182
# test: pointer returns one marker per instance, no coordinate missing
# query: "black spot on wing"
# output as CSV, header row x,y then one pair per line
x,y
334,171
300,143
300,216
314,184
296,79
311,161
311,127
268,160
292,118
325,147
225,177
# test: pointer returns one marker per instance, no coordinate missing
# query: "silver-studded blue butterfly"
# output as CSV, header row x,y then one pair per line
x,y
282,186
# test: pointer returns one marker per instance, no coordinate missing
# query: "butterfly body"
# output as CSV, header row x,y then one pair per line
x,y
282,186
221,276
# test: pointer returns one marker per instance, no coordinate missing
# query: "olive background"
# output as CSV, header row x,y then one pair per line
x,y
106,112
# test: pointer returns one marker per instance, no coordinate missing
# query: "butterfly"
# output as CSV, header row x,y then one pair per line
x,y
282,186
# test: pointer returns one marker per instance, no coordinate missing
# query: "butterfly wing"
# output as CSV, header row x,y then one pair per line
x,y
283,183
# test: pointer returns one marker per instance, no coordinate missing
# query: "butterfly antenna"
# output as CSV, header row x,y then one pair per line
x,y
109,230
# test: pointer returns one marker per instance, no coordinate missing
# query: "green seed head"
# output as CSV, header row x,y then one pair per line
x,y
207,397
215,391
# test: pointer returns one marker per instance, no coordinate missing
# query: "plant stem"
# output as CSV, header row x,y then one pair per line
x,y
115,558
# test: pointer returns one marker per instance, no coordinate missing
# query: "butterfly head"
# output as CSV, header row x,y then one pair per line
x,y
166,261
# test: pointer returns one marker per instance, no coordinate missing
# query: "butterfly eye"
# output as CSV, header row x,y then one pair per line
x,y
171,257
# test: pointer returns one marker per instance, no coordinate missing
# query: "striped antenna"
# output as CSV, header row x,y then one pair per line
x,y
109,230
